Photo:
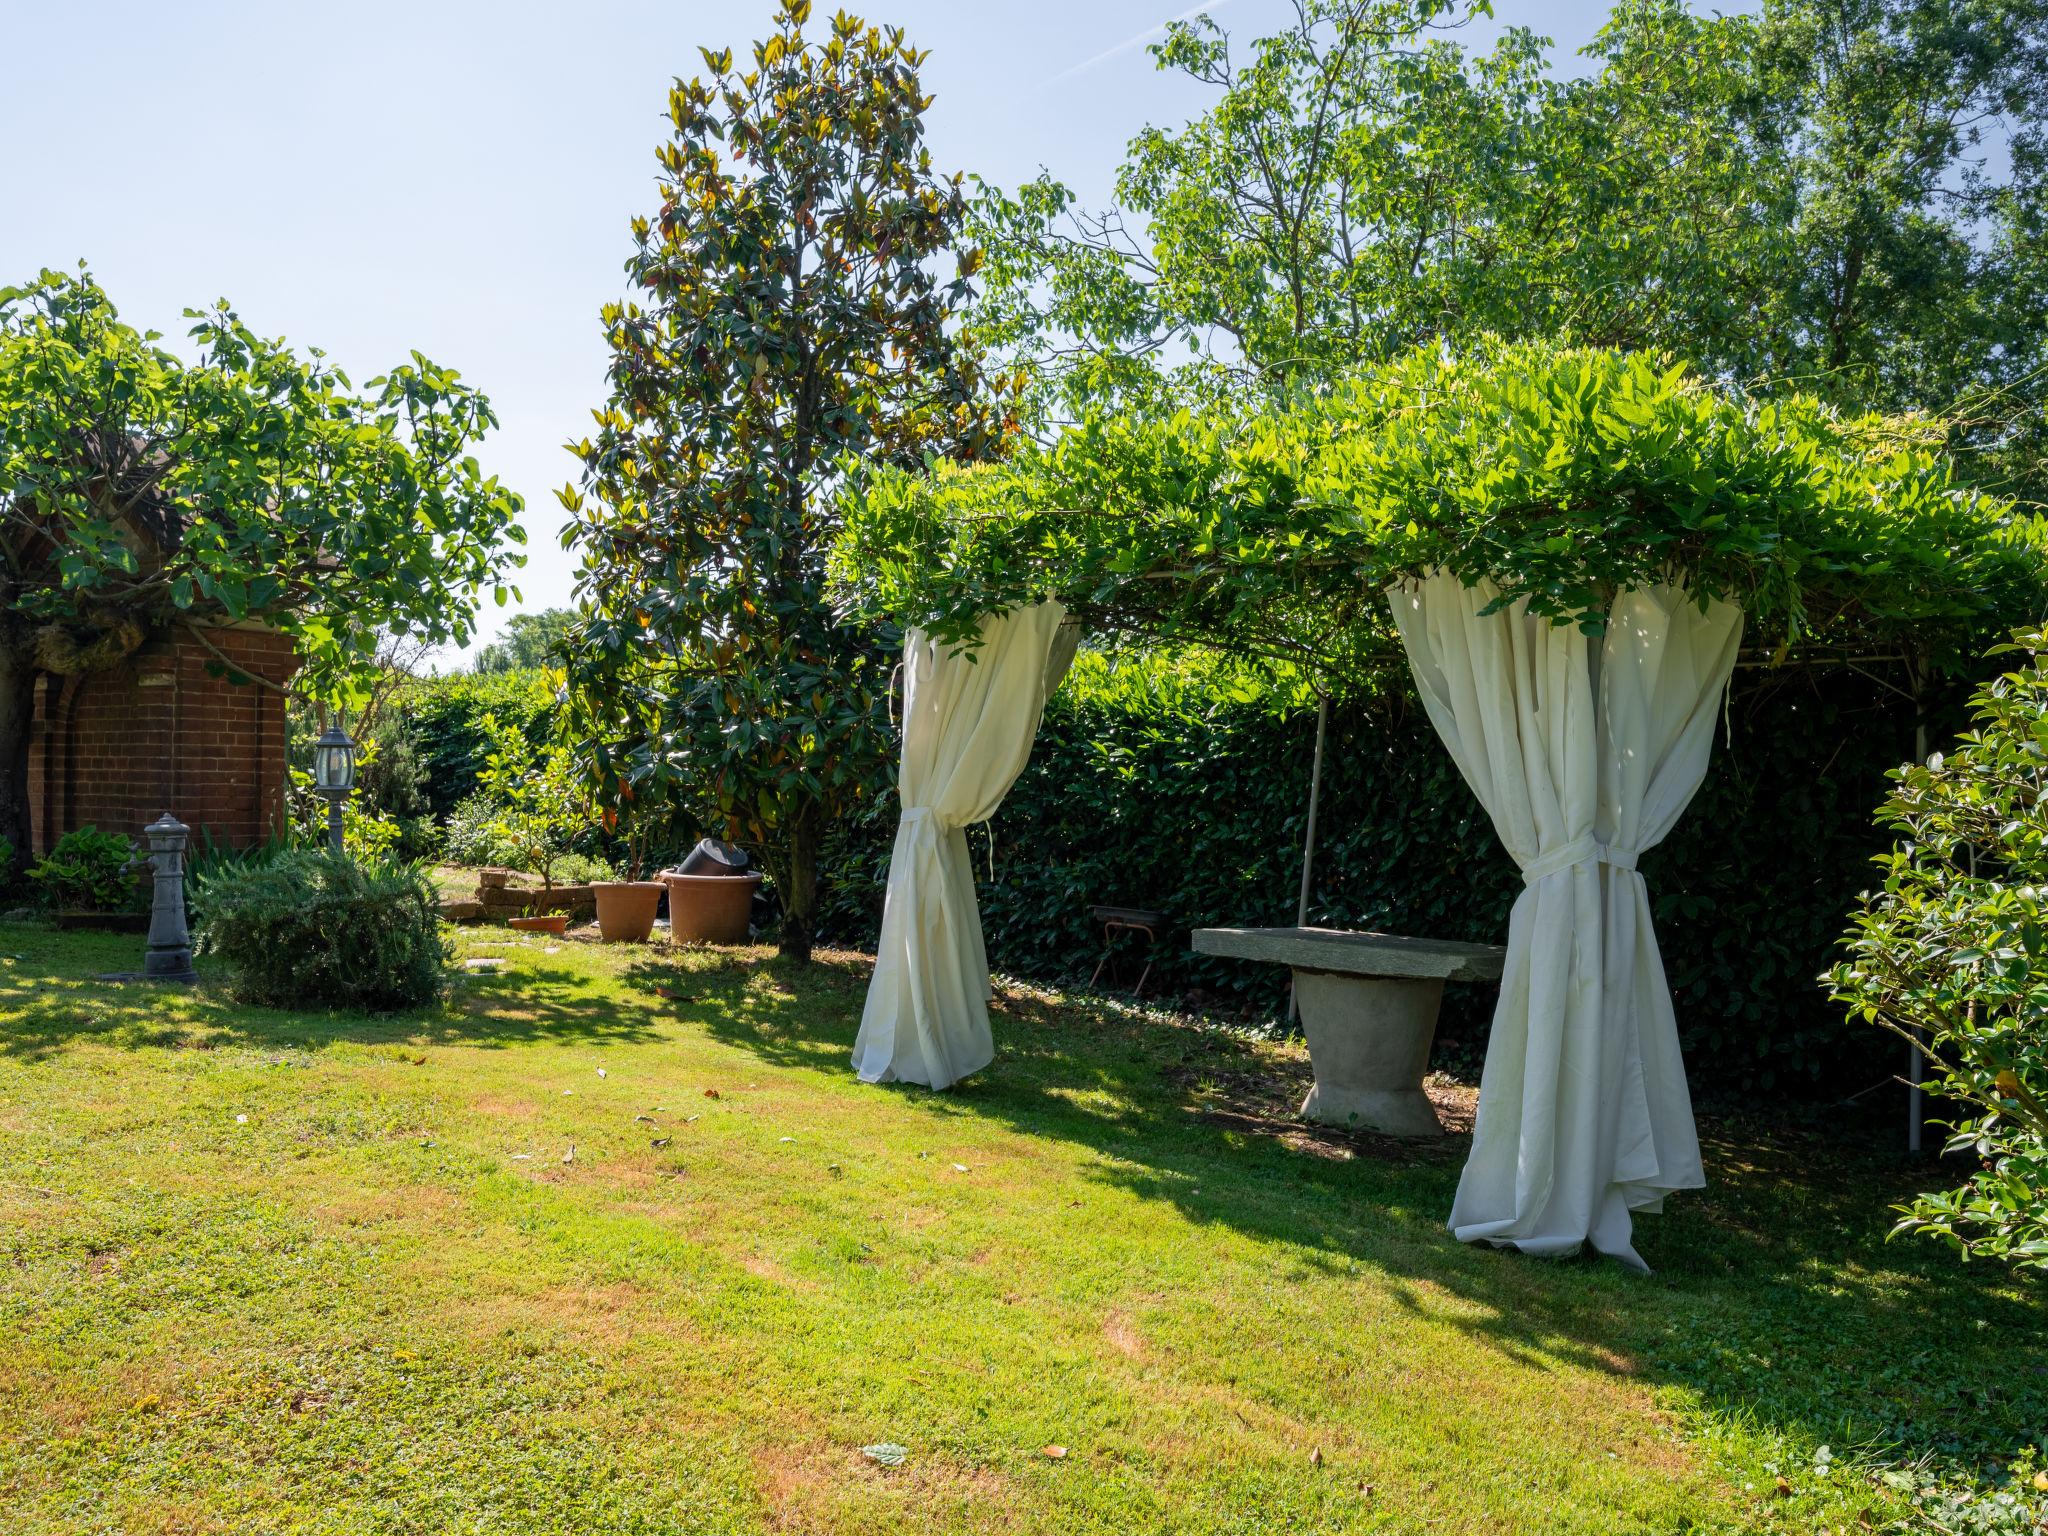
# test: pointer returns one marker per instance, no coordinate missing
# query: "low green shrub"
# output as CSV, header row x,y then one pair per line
x,y
581,869
88,871
311,928
1953,954
472,836
207,858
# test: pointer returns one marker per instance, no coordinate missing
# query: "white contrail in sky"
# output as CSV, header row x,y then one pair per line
x,y
1129,43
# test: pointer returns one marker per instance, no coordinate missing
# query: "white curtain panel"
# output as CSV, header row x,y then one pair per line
x,y
968,722
1585,753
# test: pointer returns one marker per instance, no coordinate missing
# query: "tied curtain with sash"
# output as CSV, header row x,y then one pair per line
x,y
1584,750
968,722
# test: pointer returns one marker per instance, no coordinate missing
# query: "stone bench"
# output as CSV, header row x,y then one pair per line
x,y
1368,1004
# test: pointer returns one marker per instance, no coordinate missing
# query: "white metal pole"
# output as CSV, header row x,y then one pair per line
x,y
1308,841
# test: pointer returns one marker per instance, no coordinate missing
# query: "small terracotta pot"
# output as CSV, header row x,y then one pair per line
x,y
547,922
710,909
625,909
493,879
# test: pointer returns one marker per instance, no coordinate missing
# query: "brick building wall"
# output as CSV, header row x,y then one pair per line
x,y
115,749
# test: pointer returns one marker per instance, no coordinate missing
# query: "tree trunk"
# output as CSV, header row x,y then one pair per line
x,y
800,890
17,711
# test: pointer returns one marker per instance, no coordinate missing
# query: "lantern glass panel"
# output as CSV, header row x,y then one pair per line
x,y
334,762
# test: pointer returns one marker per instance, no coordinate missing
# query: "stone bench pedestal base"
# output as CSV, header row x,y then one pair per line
x,y
1368,1040
1368,1004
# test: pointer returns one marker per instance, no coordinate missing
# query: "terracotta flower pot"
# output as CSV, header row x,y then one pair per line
x,y
547,922
710,909
625,909
493,879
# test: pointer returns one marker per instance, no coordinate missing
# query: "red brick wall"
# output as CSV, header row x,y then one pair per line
x,y
115,749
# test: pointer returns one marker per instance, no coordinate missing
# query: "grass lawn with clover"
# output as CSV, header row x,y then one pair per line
x,y
612,1241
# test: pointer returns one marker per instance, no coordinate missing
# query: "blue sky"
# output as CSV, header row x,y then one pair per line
x,y
371,178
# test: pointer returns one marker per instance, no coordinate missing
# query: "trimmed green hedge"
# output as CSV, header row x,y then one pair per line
x,y
444,719
1174,801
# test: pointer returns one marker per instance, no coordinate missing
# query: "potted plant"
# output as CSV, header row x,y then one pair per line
x,y
539,808
711,895
626,908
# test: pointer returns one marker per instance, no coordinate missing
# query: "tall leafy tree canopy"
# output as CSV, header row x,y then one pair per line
x,y
138,489
794,293
528,640
1847,194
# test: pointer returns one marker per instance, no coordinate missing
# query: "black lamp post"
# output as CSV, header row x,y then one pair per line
x,y
334,775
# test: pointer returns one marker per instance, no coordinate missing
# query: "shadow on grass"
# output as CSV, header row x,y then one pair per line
x,y
1776,1298
49,997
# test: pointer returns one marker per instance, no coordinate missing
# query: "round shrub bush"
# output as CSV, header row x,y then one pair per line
x,y
88,871
315,929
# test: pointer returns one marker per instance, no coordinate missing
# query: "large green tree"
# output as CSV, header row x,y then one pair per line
x,y
528,641
1844,193
1363,182
140,490
1916,132
792,315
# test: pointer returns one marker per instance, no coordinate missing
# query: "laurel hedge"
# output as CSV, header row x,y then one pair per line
x,y
1182,785
1191,799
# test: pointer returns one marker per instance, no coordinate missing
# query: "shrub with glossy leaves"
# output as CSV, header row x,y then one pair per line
x,y
315,929
1181,784
88,871
1953,953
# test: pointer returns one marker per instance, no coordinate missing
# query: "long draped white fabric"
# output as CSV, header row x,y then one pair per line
x,y
1584,754
968,722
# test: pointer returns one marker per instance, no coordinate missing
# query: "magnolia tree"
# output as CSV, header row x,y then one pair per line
x,y
139,490
794,300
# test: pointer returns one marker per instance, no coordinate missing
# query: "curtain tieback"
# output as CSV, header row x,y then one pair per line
x,y
1580,850
915,812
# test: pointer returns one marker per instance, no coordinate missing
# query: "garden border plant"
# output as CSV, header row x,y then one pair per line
x,y
311,928
1951,954
87,870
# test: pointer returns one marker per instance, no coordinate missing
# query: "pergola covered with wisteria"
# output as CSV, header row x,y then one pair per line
x,y
1570,552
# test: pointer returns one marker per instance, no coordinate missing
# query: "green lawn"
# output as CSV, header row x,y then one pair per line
x,y
268,1272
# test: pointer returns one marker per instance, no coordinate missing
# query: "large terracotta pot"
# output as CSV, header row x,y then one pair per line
x,y
625,909
710,909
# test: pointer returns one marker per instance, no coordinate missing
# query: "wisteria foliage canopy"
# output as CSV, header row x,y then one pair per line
x,y
1564,475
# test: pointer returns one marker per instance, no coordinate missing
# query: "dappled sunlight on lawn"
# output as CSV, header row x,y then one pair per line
x,y
636,1197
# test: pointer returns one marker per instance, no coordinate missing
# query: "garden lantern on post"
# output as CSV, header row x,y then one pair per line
x,y
334,775
169,957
